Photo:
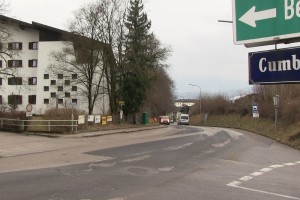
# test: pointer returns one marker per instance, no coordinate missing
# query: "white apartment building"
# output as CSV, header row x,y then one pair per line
x,y
32,83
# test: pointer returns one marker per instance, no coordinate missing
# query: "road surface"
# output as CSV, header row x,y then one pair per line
x,y
177,162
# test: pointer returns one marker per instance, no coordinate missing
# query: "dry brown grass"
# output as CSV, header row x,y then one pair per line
x,y
289,135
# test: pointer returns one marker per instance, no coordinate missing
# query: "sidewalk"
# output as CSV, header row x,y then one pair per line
x,y
24,151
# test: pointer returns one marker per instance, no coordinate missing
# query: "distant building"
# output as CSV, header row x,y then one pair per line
x,y
184,102
33,84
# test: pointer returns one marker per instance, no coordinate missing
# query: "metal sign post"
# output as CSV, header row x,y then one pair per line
x,y
276,105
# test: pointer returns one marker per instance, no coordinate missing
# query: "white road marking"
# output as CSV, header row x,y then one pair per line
x,y
234,184
246,178
219,145
166,169
290,164
178,147
237,184
139,158
266,169
257,173
264,192
139,154
276,166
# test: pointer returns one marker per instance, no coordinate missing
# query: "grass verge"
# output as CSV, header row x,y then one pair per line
x,y
285,134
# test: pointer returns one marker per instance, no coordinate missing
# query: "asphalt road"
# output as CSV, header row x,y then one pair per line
x,y
178,162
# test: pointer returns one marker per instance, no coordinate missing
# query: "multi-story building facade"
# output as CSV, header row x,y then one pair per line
x,y
32,84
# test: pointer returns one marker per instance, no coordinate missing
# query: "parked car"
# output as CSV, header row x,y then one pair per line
x,y
183,119
164,120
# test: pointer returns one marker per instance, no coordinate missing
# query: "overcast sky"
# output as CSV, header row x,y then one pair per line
x,y
203,52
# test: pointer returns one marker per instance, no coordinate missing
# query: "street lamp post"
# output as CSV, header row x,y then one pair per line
x,y
199,96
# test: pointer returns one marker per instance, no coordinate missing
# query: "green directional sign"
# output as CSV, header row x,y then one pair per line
x,y
259,22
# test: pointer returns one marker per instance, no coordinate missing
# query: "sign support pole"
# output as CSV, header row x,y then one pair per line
x,y
276,105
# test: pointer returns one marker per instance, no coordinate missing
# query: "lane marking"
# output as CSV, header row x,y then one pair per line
x,y
276,166
244,179
219,145
266,169
139,158
264,192
166,169
178,147
257,173
290,164
234,184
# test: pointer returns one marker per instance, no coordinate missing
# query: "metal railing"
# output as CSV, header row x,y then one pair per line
x,y
39,125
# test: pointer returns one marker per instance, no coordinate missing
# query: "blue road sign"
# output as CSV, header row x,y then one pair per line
x,y
276,66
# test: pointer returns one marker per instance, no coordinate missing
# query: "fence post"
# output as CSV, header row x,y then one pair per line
x,y
76,125
49,126
72,125
23,125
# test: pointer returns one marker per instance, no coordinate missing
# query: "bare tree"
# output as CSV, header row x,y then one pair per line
x,y
112,32
97,34
160,97
85,57
5,37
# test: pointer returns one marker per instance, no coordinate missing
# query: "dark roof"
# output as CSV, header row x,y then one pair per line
x,y
12,20
47,33
46,27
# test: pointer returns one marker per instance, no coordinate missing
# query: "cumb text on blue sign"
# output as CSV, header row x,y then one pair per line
x,y
274,67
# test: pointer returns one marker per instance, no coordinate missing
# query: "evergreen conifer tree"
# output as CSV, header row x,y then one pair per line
x,y
137,70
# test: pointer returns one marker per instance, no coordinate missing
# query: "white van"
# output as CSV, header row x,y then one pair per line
x,y
183,119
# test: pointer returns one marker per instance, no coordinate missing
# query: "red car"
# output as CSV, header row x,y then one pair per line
x,y
164,120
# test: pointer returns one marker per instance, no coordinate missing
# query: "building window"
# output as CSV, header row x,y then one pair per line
x,y
15,63
60,76
60,88
74,88
67,94
46,101
46,88
74,101
46,76
32,99
15,46
53,94
14,99
32,81
0,63
0,99
0,81
60,101
53,82
33,45
15,81
32,63
74,76
67,82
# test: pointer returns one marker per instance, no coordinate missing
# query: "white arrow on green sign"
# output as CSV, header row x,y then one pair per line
x,y
260,22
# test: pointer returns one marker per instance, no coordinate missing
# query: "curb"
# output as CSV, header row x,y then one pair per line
x,y
123,131
96,133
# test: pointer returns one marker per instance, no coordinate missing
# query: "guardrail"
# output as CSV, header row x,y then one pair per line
x,y
38,125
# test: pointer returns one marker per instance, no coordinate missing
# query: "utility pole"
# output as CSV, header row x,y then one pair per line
x,y
200,106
